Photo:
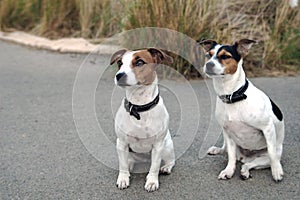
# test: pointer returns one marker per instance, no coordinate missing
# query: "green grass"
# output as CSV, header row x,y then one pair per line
x,y
273,23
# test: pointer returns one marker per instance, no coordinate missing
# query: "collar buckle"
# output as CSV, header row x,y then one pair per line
x,y
134,110
236,96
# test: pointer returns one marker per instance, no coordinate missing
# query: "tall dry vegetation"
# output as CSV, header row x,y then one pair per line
x,y
271,22
58,18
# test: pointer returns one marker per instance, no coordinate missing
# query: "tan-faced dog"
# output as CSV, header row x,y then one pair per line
x,y
253,126
142,121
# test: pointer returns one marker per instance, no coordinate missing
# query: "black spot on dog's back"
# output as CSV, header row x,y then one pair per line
x,y
277,112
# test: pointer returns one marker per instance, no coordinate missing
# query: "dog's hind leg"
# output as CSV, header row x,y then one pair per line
x,y
269,131
213,150
168,156
261,162
279,127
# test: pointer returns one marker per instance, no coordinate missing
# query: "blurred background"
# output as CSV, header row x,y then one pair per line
x,y
275,24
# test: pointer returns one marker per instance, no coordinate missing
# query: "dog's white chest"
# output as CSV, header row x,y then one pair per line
x,y
142,134
141,145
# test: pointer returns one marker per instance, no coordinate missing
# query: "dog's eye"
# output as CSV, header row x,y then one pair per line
x,y
119,63
139,63
224,57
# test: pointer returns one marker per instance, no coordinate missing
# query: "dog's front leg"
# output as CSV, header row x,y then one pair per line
x,y
270,135
228,172
123,152
152,183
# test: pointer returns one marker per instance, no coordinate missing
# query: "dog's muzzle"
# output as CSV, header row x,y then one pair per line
x,y
209,68
121,79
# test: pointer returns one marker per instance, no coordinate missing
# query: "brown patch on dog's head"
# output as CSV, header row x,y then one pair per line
x,y
229,56
228,62
144,64
210,53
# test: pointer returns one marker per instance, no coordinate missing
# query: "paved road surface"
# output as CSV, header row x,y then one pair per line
x,y
42,156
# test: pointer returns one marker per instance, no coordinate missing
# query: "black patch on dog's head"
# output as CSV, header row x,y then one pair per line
x,y
232,50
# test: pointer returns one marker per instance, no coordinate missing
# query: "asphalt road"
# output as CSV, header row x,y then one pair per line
x,y
43,157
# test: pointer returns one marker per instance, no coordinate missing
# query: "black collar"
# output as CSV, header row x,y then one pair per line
x,y
135,109
236,96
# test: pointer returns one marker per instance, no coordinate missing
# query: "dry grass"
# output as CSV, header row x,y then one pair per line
x,y
271,22
95,18
58,18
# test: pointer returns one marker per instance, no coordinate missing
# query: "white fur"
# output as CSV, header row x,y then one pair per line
x,y
149,135
249,124
218,69
126,68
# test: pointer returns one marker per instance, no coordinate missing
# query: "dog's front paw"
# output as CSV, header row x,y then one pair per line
x,y
277,172
226,174
151,183
215,150
123,181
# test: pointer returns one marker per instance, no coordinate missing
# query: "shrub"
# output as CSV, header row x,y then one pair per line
x,y
273,23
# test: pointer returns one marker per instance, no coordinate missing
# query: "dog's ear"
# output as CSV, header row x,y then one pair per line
x,y
207,44
117,55
244,45
159,55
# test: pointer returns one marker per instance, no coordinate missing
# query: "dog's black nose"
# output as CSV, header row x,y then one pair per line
x,y
210,65
120,75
